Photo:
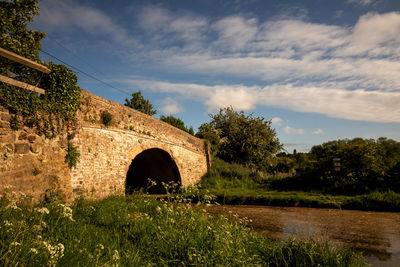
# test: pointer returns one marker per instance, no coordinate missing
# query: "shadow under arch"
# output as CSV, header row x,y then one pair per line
x,y
155,164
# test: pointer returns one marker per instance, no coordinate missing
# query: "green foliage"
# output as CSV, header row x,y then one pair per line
x,y
106,118
63,96
244,139
139,231
36,171
178,123
139,103
225,175
16,37
72,156
208,132
366,165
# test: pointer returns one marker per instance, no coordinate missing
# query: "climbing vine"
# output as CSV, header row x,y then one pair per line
x,y
48,112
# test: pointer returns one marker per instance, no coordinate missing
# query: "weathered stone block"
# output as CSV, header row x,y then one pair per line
x,y
21,148
35,148
31,138
9,148
4,124
8,138
5,116
23,136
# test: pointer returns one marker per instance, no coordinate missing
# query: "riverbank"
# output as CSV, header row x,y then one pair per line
x,y
235,184
140,231
376,201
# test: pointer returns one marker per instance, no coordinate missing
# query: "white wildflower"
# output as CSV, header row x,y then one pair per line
x,y
115,255
14,207
100,246
43,210
7,223
67,212
15,244
34,250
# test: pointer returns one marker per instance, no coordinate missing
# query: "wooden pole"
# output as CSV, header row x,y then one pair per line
x,y
27,62
22,85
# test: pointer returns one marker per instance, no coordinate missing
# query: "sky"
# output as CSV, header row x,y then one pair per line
x,y
320,70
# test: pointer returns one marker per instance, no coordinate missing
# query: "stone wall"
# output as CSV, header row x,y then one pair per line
x,y
34,164
31,163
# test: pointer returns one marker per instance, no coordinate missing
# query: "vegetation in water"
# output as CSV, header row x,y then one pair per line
x,y
140,231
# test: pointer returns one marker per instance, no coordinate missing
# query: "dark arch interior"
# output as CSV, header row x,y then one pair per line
x,y
155,164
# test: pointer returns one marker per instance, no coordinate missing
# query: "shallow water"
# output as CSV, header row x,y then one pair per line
x,y
376,234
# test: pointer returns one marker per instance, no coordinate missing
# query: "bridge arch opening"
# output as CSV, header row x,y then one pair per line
x,y
155,164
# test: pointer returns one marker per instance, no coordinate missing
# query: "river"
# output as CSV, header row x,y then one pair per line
x,y
376,234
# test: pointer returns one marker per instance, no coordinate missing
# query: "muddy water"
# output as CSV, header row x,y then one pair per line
x,y
376,234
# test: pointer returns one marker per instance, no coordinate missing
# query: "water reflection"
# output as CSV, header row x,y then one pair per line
x,y
376,234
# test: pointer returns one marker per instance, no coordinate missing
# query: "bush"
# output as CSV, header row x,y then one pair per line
x,y
106,118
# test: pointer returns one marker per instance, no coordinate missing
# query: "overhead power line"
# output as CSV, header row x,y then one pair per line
x,y
85,73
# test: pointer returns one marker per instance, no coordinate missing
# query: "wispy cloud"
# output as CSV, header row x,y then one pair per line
x,y
56,15
290,130
170,106
364,2
276,121
318,131
364,105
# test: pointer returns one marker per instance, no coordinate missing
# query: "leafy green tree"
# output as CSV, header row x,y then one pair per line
x,y
16,37
62,96
208,132
245,139
178,123
139,103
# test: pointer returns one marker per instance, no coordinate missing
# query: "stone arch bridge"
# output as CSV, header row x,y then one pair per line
x,y
113,160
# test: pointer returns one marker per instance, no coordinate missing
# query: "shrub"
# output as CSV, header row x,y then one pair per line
x,y
106,118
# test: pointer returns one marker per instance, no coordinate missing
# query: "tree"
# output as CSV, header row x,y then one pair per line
x,y
16,37
245,139
139,103
178,123
208,132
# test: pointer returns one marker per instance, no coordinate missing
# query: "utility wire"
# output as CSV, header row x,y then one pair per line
x,y
83,72
74,54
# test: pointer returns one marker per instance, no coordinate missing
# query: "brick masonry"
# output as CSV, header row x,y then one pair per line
x,y
34,164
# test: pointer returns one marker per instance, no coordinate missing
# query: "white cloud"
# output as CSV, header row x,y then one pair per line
x,y
57,14
170,106
161,23
290,130
235,31
276,121
377,106
364,2
318,131
377,34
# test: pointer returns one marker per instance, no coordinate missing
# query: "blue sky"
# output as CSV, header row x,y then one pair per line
x,y
319,69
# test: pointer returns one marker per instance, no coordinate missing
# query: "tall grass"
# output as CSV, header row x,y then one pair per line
x,y
235,184
139,231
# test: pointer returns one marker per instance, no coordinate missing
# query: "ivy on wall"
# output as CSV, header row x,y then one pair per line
x,y
48,112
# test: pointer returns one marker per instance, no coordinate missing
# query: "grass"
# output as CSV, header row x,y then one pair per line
x,y
235,184
140,231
